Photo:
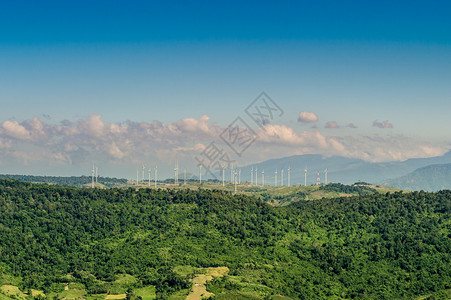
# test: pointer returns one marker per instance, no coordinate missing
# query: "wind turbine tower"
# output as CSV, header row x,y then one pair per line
x,y
97,173
281,177
223,168
234,179
325,172
143,168
305,176
263,177
92,175
200,174
289,170
176,175
256,176
239,176
156,174
149,177
252,175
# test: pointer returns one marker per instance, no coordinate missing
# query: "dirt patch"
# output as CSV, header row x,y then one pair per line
x,y
199,289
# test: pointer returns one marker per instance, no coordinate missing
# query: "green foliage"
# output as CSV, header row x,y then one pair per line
x,y
359,189
367,247
78,181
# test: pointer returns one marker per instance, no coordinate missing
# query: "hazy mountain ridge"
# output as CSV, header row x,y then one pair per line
x,y
340,169
430,178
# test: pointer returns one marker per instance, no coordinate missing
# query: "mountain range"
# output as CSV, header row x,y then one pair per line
x,y
431,178
343,170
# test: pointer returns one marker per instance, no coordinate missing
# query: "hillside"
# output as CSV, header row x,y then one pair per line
x,y
72,243
78,181
431,178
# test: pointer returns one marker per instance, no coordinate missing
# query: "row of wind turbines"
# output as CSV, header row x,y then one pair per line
x,y
235,176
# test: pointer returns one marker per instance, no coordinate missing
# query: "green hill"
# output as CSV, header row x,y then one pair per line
x,y
72,242
78,181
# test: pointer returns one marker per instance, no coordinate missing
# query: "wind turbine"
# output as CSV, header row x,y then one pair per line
x,y
143,168
281,179
176,175
156,174
305,176
92,175
234,179
289,170
200,174
223,168
252,175
256,176
325,171
149,177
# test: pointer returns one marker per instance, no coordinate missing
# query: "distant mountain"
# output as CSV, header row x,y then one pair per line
x,y
340,169
431,178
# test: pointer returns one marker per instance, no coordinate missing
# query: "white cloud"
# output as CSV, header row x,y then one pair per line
x,y
15,130
307,117
382,125
94,126
4,143
332,124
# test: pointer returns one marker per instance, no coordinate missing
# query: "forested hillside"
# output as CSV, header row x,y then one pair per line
x,y
393,246
78,181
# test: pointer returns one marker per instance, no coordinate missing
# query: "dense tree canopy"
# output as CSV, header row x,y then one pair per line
x,y
373,246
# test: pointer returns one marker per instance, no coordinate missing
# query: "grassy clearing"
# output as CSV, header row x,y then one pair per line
x,y
199,289
236,296
116,297
146,293
180,295
186,270
35,293
72,294
280,297
96,297
11,290
4,297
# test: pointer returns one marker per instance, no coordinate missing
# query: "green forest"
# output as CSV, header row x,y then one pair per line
x,y
78,181
371,246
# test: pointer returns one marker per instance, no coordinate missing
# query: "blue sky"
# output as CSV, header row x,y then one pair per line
x,y
127,62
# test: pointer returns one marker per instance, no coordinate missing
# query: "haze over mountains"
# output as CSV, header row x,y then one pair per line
x,y
430,178
348,170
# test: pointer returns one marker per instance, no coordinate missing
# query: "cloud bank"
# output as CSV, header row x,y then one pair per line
x,y
72,143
